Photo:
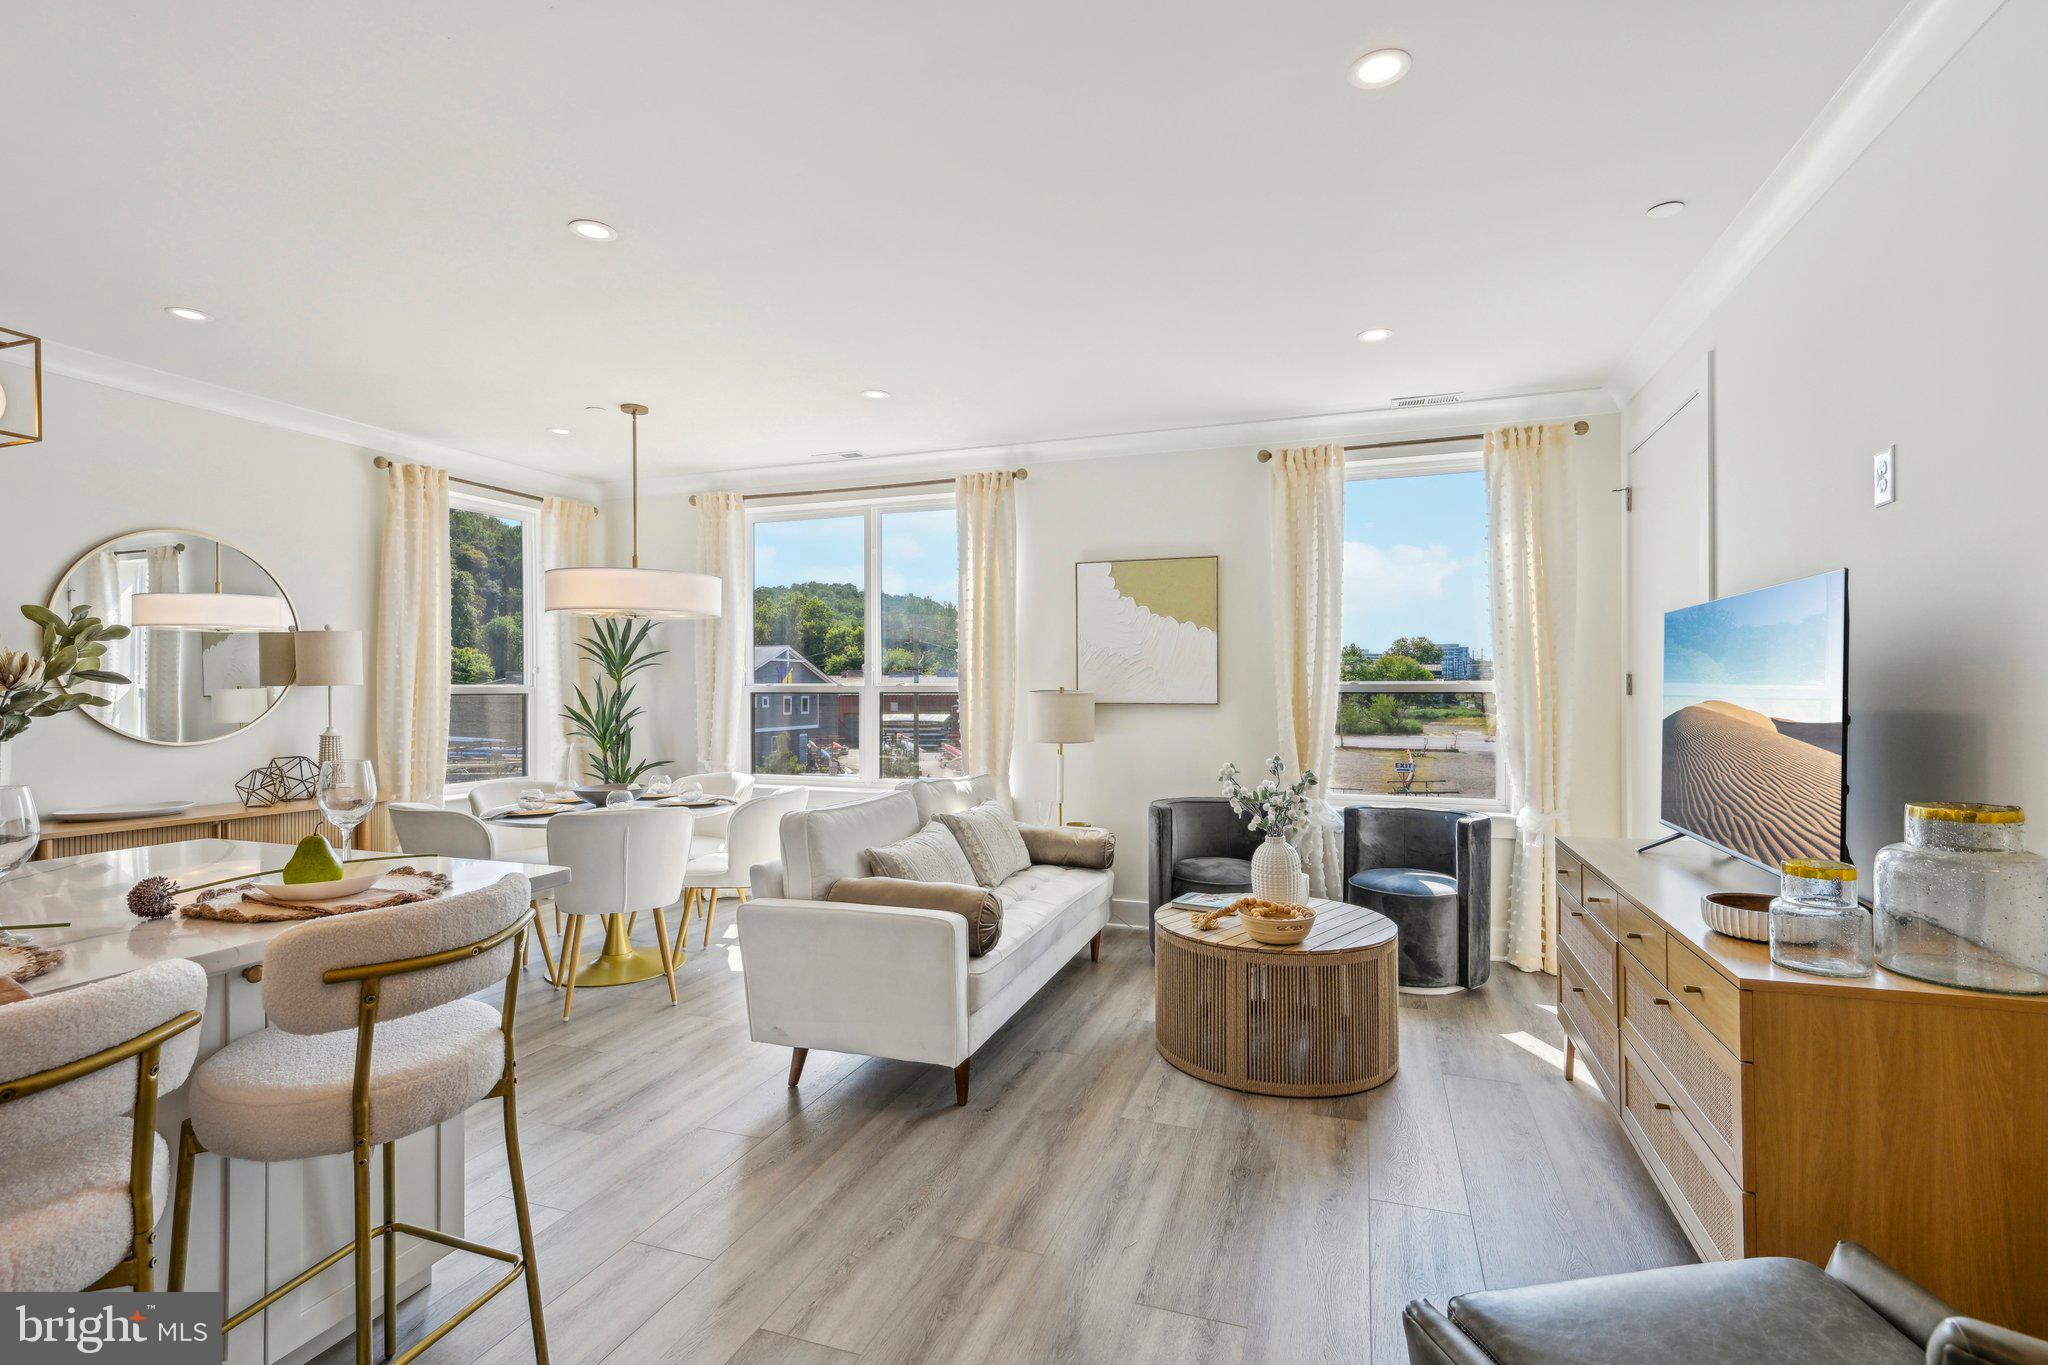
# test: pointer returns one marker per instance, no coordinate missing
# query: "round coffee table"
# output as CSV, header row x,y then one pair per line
x,y
1318,1019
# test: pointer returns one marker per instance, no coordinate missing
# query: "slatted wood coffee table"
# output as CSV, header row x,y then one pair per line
x,y
1317,1019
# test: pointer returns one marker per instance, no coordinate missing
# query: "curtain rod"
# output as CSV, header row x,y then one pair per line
x,y
385,462
1578,429
863,488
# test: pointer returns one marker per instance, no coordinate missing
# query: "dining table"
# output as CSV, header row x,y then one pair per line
x,y
254,1224
618,962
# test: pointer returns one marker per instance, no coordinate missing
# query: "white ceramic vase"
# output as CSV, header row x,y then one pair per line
x,y
1275,865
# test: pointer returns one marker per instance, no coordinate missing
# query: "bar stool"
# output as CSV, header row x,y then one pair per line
x,y
754,835
620,862
80,1159
433,831
371,1040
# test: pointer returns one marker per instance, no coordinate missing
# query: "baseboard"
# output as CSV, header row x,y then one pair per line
x,y
1130,914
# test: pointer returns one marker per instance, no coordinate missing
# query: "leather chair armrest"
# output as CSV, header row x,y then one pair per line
x,y
1069,845
1896,1299
1433,1339
978,905
1966,1341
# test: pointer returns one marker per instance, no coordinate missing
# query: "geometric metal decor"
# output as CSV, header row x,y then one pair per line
x,y
278,781
9,339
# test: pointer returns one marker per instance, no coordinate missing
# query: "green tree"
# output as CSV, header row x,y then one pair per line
x,y
1420,648
469,665
781,759
1391,667
505,642
465,610
1352,664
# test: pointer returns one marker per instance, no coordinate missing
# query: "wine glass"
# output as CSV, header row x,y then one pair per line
x,y
347,793
19,831
615,799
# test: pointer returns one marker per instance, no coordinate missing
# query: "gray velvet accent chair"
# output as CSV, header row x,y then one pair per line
x,y
1859,1311
1198,843
1431,872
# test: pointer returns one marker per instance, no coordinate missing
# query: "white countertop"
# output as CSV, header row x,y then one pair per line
x,y
104,939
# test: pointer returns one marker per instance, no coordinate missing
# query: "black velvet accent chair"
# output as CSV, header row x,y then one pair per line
x,y
1198,843
1431,872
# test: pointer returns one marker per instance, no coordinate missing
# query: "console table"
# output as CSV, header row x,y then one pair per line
x,y
1780,1112
287,822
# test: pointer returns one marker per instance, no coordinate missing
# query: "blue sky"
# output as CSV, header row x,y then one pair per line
x,y
919,552
1415,560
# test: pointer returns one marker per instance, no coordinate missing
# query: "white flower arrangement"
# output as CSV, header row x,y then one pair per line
x,y
1274,809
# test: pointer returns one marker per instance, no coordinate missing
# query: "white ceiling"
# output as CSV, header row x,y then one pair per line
x,y
1025,221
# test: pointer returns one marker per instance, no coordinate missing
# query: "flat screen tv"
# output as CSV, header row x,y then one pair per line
x,y
1756,715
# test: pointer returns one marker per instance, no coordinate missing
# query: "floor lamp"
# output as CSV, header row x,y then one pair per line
x,y
1060,718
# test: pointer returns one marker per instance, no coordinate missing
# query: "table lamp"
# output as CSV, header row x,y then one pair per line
x,y
1061,718
329,659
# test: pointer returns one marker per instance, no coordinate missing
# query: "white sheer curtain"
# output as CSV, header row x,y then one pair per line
x,y
411,656
1527,469
725,647
101,594
565,527
163,654
985,509
1306,542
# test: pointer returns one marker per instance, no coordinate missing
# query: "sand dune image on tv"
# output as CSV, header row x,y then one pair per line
x,y
1739,779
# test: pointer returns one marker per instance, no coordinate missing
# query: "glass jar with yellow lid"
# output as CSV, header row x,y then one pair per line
x,y
1961,902
1816,923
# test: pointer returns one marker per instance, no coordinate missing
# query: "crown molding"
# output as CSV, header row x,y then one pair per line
x,y
1920,42
108,372
1375,423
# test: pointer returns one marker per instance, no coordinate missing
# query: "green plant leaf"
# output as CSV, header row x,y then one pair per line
x,y
42,616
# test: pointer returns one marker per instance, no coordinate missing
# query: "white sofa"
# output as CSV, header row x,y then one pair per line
x,y
888,981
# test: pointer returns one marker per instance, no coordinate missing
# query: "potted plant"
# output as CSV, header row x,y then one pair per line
x,y
1278,812
604,719
52,680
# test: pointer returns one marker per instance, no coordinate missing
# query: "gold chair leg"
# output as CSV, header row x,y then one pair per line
x,y
390,1250
683,929
517,1170
181,1202
668,958
572,957
632,920
547,955
710,911
362,1250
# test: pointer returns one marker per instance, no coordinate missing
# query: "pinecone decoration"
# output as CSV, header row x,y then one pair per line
x,y
151,898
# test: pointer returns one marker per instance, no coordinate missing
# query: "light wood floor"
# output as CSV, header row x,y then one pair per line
x,y
1090,1204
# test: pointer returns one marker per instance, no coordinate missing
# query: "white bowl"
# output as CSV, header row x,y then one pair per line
x,y
1738,914
349,885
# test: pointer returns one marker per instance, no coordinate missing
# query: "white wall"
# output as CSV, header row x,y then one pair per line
x,y
113,461
1905,308
1198,502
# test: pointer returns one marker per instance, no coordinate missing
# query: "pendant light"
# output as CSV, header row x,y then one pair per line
x,y
663,594
233,612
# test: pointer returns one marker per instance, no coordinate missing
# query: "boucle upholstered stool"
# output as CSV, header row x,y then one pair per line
x,y
371,1039
80,1161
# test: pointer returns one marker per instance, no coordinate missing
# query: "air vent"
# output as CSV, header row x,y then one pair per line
x,y
1429,400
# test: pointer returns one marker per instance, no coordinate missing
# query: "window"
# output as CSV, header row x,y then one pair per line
x,y
856,628
488,703
1415,715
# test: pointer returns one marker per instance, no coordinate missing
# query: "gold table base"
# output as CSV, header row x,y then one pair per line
x,y
620,963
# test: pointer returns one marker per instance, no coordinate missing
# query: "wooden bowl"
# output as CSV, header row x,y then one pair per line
x,y
1280,933
1739,914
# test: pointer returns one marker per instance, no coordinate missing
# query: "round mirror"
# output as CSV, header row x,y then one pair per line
x,y
190,685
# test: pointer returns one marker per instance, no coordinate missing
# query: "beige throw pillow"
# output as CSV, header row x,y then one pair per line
x,y
980,907
988,836
930,855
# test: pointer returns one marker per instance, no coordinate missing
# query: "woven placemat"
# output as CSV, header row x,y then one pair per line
x,y
245,902
25,961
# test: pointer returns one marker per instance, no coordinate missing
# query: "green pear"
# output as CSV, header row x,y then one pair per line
x,y
312,861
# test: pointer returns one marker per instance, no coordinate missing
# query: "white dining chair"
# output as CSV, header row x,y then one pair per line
x,y
372,1037
620,862
486,797
512,845
754,836
711,823
81,1166
429,830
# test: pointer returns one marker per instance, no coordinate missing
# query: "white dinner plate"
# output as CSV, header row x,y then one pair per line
x,y
349,885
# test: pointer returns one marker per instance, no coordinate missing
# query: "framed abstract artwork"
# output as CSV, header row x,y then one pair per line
x,y
1147,630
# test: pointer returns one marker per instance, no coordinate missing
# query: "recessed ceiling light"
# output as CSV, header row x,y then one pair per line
x,y
1670,208
874,393
594,230
1376,334
1380,68
558,431
189,314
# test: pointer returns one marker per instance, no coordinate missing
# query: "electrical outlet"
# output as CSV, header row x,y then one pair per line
x,y
1885,474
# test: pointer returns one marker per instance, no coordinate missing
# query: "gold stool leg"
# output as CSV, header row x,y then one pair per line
x,y
710,910
390,1250
668,961
572,953
517,1169
181,1202
362,1250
